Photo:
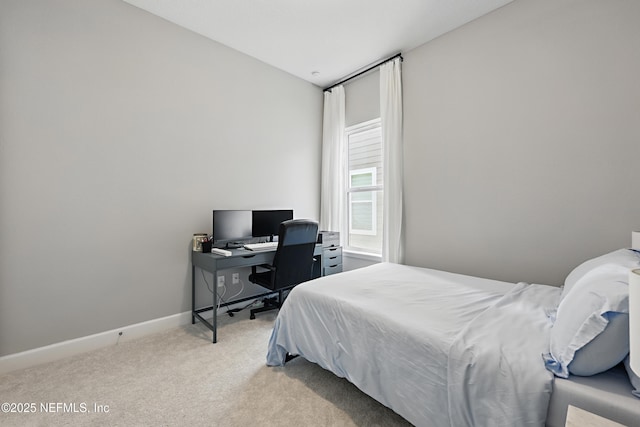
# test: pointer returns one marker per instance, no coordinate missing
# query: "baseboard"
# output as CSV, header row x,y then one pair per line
x,y
57,351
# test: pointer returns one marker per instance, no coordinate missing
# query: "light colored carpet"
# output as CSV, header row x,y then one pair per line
x,y
179,377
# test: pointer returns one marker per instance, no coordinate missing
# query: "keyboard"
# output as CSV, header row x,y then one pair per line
x,y
266,246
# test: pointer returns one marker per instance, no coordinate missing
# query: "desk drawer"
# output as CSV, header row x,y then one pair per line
x,y
331,256
329,238
332,270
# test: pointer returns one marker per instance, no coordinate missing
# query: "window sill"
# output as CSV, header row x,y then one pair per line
x,y
367,256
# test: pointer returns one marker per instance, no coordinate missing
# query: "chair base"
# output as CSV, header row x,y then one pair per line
x,y
269,304
273,303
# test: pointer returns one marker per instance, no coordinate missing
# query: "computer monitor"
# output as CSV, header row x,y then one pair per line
x,y
230,226
267,223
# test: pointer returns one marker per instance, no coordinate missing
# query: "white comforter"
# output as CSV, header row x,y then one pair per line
x,y
440,349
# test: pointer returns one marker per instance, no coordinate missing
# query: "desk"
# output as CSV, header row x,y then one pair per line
x,y
212,263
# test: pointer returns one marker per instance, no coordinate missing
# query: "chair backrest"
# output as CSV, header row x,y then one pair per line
x,y
294,256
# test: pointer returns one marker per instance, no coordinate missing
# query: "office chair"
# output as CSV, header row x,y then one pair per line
x,y
292,263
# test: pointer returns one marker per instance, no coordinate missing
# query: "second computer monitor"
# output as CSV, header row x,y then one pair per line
x,y
267,223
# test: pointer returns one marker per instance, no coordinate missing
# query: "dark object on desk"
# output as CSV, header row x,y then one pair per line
x,y
292,263
267,223
206,246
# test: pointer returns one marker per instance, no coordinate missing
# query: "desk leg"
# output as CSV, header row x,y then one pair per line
x,y
193,294
214,321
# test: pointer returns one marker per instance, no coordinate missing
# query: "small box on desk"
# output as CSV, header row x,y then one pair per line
x,y
329,238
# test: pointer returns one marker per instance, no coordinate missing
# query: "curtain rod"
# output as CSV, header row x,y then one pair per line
x,y
397,55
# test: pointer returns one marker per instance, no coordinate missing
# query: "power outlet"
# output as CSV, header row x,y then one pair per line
x,y
235,278
220,281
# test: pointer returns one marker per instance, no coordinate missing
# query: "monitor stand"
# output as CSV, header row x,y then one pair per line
x,y
232,245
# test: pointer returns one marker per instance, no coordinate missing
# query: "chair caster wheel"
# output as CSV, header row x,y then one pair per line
x,y
252,317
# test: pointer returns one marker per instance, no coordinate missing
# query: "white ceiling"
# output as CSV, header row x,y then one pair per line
x,y
333,38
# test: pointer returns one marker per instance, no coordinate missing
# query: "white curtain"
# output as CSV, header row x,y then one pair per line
x,y
332,149
391,117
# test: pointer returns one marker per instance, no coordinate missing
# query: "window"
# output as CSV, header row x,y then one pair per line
x,y
362,209
364,188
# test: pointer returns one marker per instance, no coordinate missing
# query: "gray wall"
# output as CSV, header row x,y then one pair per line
x,y
522,139
119,133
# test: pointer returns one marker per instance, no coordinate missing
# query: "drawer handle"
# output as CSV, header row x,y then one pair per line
x,y
333,257
333,249
332,266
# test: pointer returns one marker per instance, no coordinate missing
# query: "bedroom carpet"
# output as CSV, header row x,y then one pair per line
x,y
178,378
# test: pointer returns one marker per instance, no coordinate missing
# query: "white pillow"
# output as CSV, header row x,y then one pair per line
x,y
623,257
591,330
635,380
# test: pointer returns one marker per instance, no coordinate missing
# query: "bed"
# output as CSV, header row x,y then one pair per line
x,y
439,348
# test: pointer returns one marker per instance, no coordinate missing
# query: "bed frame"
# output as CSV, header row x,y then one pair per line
x,y
607,394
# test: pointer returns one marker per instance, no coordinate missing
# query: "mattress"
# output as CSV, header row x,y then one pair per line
x,y
438,348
